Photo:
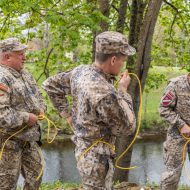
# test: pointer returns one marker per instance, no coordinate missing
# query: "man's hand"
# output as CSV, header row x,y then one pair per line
x,y
32,119
185,130
124,82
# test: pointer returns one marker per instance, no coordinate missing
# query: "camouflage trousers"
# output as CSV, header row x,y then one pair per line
x,y
20,157
173,148
96,170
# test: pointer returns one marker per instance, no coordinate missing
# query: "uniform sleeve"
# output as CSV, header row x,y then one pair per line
x,y
10,119
127,98
116,113
167,106
58,87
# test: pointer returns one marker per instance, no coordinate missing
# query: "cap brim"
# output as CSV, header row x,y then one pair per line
x,y
129,50
20,47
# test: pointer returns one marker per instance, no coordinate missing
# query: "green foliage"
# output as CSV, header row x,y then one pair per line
x,y
171,38
154,80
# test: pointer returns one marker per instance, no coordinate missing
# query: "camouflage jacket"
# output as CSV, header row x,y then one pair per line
x,y
19,96
175,103
98,110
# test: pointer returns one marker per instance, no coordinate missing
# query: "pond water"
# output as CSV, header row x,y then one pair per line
x,y
60,163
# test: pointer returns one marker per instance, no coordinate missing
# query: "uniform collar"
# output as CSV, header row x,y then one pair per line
x,y
108,77
12,71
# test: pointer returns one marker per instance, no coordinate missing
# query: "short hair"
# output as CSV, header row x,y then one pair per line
x,y
102,57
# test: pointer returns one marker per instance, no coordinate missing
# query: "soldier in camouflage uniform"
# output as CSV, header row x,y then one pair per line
x,y
20,104
174,108
99,111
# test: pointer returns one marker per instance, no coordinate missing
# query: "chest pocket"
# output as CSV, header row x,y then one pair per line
x,y
18,96
23,98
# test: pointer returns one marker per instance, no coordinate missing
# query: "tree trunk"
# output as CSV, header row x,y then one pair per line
x,y
145,108
122,16
140,67
104,7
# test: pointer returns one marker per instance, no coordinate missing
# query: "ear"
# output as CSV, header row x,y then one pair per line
x,y
7,56
112,61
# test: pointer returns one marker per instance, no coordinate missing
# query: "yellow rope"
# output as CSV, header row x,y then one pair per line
x,y
3,146
136,134
40,117
184,154
50,123
95,143
42,157
137,131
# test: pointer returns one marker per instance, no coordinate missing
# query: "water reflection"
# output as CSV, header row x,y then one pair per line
x,y
60,163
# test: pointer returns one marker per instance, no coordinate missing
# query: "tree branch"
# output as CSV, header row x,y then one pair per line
x,y
115,8
45,66
178,12
55,4
173,22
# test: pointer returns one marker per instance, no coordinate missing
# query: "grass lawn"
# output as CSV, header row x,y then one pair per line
x,y
72,186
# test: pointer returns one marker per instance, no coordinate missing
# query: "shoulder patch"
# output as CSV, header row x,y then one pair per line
x,y
168,98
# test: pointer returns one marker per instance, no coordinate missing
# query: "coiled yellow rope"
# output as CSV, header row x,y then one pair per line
x,y
50,123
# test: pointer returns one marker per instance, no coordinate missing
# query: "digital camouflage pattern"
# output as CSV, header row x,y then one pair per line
x,y
174,108
19,95
96,170
20,156
113,42
98,111
11,44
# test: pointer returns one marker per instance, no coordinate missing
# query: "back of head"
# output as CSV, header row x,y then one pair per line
x,y
111,43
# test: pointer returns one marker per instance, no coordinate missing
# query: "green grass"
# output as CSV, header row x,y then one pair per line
x,y
155,186
57,185
73,186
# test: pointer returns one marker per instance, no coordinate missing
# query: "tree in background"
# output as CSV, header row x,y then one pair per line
x,y
65,32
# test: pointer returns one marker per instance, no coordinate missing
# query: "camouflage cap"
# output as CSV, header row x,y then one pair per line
x,y
113,42
11,44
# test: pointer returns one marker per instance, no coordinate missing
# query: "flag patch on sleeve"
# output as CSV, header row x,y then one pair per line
x,y
168,99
